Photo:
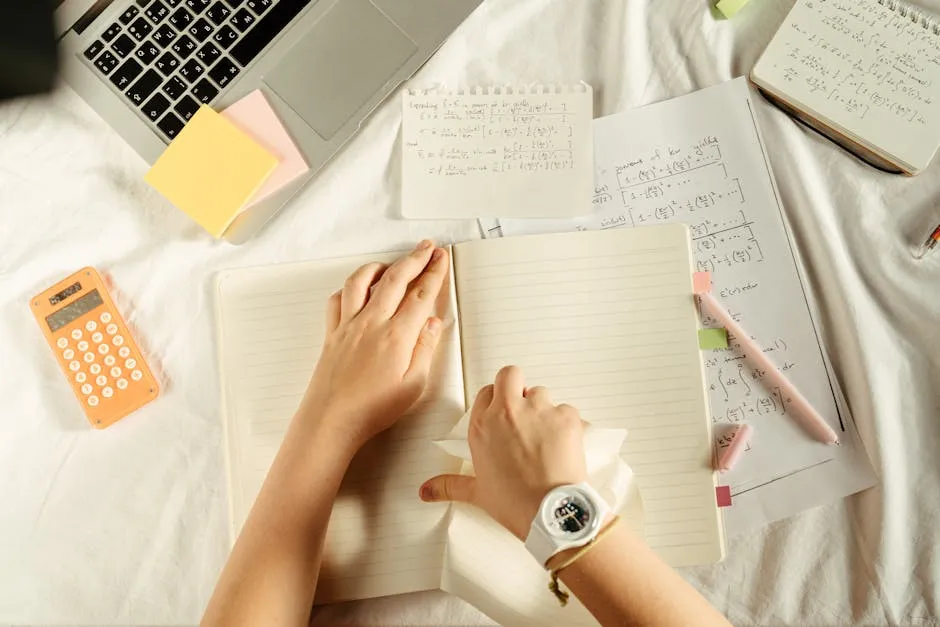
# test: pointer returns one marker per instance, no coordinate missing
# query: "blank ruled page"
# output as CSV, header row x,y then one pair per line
x,y
382,540
606,320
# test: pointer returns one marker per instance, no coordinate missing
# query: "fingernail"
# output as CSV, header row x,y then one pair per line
x,y
434,326
427,493
424,244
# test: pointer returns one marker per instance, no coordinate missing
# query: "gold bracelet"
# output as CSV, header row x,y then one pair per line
x,y
560,594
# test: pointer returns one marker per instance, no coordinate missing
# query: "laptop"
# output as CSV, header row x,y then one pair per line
x,y
147,65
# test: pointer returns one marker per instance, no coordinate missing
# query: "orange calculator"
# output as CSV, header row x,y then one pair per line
x,y
94,347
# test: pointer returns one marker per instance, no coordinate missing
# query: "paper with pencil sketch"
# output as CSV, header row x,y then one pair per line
x,y
699,159
488,567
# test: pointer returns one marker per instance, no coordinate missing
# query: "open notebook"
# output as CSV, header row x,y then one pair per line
x,y
606,320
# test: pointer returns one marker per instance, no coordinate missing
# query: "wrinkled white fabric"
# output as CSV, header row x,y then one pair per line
x,y
129,525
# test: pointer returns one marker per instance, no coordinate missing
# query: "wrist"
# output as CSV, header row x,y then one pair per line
x,y
327,429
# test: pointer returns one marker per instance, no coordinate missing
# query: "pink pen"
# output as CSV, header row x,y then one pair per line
x,y
799,407
736,448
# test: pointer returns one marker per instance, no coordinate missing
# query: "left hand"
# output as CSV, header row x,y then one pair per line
x,y
380,339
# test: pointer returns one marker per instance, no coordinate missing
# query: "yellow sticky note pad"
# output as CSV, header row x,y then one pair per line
x,y
712,338
729,8
210,170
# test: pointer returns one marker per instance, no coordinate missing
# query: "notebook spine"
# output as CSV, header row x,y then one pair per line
x,y
915,15
503,90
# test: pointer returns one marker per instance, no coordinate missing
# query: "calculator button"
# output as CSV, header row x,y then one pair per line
x,y
92,401
91,325
130,364
83,346
107,392
103,349
111,328
110,360
61,342
68,353
115,372
101,380
76,334
105,318
94,368
80,377
74,366
87,389
89,357
124,352
118,340
137,375
97,337
122,384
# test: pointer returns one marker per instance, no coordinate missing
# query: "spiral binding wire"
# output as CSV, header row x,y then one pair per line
x,y
914,15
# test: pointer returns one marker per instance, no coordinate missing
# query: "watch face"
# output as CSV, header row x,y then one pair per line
x,y
569,514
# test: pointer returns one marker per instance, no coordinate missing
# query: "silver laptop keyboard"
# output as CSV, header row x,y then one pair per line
x,y
169,56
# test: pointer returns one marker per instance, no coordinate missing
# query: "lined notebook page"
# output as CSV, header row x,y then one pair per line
x,y
606,320
382,539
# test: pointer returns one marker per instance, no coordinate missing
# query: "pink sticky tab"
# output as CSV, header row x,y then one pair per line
x,y
723,494
702,282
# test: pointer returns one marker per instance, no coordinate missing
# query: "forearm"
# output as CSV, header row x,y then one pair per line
x,y
271,575
621,581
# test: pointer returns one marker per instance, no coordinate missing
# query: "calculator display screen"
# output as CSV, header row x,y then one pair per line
x,y
75,310
71,289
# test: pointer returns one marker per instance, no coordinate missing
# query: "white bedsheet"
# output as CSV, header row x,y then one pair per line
x,y
128,525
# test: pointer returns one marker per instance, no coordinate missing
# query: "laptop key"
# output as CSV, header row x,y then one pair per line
x,y
125,74
191,70
267,28
208,54
204,91
123,45
200,30
225,36
234,3
198,6
184,46
155,107
111,32
157,11
144,86
243,19
186,107
181,18
92,51
223,72
106,62
129,14
170,125
260,6
164,35
218,12
147,53
139,28
174,88
167,64
172,3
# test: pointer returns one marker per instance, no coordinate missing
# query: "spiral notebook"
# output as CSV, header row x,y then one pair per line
x,y
605,319
525,152
865,73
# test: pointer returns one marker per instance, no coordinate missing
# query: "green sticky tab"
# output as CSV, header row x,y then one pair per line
x,y
712,338
729,8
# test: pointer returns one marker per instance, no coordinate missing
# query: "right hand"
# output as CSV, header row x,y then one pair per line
x,y
522,446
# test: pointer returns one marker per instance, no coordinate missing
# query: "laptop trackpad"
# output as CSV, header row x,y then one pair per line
x,y
340,64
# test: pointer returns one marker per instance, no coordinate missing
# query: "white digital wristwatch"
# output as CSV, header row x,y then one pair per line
x,y
569,517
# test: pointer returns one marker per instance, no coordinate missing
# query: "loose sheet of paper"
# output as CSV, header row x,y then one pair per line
x,y
382,539
699,159
873,71
503,152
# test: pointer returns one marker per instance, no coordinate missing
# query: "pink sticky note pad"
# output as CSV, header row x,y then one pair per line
x,y
701,282
254,116
723,494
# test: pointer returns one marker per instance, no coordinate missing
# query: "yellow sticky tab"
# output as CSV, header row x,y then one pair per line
x,y
210,170
712,338
730,8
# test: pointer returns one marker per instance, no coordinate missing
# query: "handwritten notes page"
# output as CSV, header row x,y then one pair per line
x,y
382,540
607,322
699,160
870,68
500,152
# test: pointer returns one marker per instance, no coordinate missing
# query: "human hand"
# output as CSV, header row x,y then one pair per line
x,y
380,339
522,446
